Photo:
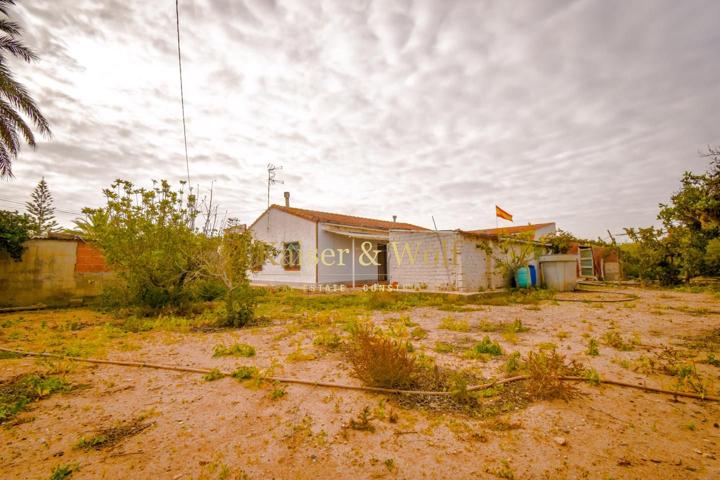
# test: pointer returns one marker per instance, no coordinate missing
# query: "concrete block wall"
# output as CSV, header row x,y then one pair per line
x,y
48,273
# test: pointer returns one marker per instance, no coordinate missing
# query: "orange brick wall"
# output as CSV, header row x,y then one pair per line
x,y
89,259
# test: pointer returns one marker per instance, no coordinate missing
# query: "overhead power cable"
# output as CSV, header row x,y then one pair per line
x,y
182,94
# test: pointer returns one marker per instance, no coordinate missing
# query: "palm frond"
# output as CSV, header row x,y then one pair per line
x,y
16,48
18,96
5,162
9,115
9,27
9,137
4,5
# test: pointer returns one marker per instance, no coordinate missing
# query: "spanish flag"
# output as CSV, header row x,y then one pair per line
x,y
499,212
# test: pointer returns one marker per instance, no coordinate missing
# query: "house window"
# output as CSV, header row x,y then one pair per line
x,y
291,255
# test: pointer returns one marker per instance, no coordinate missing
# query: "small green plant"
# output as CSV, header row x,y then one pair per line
x,y
712,360
213,375
513,363
91,443
593,348
444,347
278,392
390,464
517,326
484,347
363,421
613,339
592,376
456,325
328,340
234,350
62,472
299,355
245,373
418,333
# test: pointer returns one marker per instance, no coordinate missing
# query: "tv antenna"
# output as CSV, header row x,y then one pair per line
x,y
271,169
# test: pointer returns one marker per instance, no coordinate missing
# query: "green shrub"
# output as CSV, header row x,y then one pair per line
x,y
240,306
329,340
234,350
593,348
456,325
212,375
14,232
484,347
245,373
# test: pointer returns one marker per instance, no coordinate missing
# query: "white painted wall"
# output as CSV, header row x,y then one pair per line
x,y
343,273
428,267
276,227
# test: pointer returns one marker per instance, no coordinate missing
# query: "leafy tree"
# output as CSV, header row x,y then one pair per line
x,y
650,256
14,229
15,100
229,259
41,210
147,236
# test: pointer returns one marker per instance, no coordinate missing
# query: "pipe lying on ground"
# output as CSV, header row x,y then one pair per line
x,y
363,388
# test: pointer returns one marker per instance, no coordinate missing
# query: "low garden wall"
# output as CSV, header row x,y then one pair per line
x,y
52,271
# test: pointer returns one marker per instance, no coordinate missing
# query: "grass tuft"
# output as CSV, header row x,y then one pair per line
x,y
234,350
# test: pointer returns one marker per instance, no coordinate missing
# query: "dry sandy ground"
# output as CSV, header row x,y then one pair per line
x,y
225,429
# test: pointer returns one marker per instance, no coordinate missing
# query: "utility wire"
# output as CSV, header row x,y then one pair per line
x,y
182,95
24,204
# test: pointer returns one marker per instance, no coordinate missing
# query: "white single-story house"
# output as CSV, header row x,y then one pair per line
x,y
323,248
320,248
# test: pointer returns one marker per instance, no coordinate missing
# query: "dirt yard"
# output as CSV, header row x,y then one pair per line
x,y
121,422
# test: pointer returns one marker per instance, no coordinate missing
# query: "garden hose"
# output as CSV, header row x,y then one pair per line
x,y
299,381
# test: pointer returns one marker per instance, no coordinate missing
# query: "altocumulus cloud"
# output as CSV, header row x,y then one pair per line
x,y
581,112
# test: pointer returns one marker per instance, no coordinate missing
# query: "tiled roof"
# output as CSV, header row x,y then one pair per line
x,y
349,220
513,230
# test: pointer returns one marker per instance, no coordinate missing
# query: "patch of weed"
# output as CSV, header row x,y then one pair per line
x,y
212,375
455,325
484,347
278,392
444,347
593,348
18,392
328,340
62,472
245,373
234,350
111,436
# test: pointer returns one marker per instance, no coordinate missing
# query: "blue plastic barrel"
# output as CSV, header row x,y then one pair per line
x,y
522,277
533,275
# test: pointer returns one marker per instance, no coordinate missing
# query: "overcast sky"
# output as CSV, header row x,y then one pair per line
x,y
585,113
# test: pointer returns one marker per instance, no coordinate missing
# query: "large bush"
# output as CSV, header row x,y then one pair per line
x,y
148,238
163,260
14,230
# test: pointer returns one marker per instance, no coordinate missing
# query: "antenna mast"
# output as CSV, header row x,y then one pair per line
x,y
271,180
